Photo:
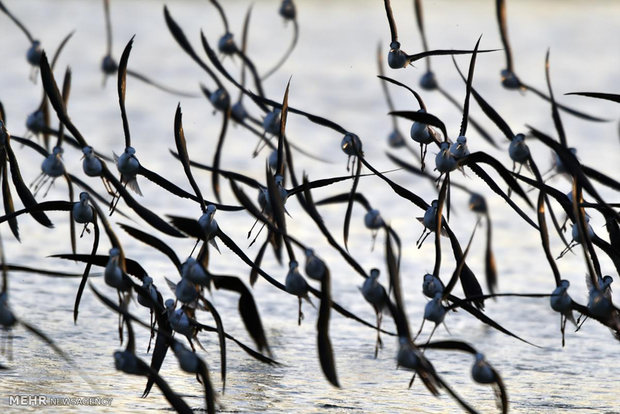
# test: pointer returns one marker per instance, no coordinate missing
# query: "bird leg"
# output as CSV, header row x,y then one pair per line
x,y
51,183
85,229
421,239
257,234
39,182
191,344
116,198
34,72
566,250
148,348
412,379
194,248
423,148
300,314
7,343
430,336
446,326
108,187
379,343
419,330
562,326
264,140
374,238
582,322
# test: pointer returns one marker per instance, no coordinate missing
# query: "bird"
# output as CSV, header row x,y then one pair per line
x,y
397,58
9,164
109,65
482,371
315,267
376,295
428,81
372,219
33,54
395,138
51,89
127,362
38,122
420,131
509,78
288,11
296,285
192,363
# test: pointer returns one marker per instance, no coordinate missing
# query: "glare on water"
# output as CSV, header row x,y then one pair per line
x,y
333,73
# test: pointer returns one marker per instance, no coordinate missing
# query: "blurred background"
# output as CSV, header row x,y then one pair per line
x,y
333,73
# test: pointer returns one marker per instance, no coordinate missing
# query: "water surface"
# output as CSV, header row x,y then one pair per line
x,y
333,74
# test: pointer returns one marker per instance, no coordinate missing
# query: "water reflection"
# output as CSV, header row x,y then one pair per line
x,y
579,378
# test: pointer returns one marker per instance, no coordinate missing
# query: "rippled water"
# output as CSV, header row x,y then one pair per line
x,y
333,74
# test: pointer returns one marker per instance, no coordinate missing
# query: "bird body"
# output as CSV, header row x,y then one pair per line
x,y
431,286
420,132
35,122
185,291
445,160
373,219
127,362
127,163
7,319
428,81
82,212
33,54
407,356
271,122
52,165
287,10
430,216
220,99
434,311
207,223
147,284
194,272
373,291
599,301
459,148
91,164
295,284
178,319
188,360
315,267
518,150
482,372
351,144
560,300
113,274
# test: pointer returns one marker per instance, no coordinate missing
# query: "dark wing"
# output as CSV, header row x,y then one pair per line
x,y
555,114
179,138
17,22
607,96
326,353
154,242
247,308
424,118
500,9
391,21
470,79
122,83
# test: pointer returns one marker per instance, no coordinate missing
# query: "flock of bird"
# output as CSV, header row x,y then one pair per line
x,y
176,322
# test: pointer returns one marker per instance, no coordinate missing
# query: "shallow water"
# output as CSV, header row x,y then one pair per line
x,y
333,74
